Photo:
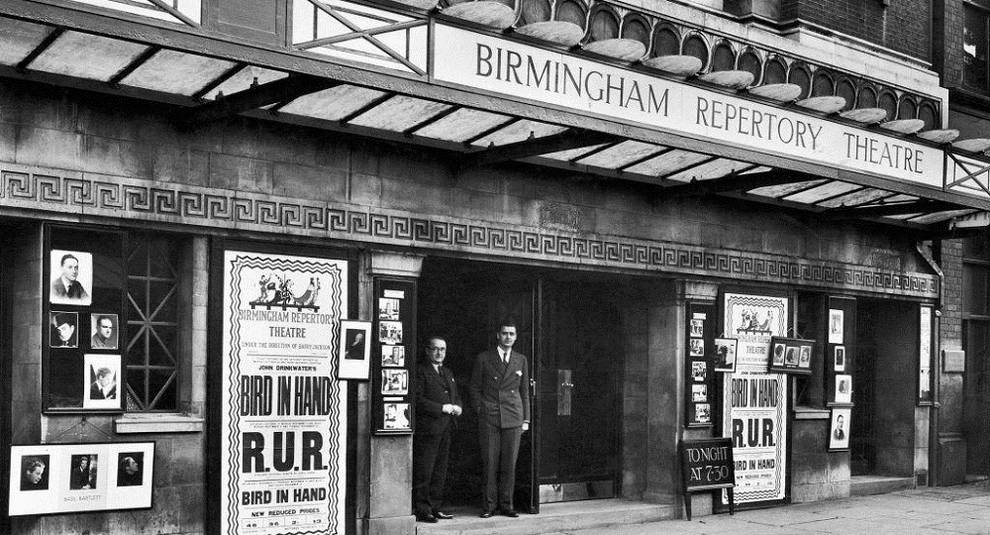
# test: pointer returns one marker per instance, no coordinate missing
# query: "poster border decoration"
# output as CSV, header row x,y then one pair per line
x,y
699,331
734,342
835,411
316,358
741,317
387,290
354,369
58,498
799,346
62,371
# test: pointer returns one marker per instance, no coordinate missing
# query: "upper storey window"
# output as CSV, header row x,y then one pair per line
x,y
976,42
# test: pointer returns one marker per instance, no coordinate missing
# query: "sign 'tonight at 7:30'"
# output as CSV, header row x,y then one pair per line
x,y
518,70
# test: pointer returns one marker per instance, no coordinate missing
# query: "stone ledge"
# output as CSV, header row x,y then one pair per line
x,y
158,423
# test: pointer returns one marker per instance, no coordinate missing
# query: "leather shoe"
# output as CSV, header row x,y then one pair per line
x,y
426,518
442,515
487,514
510,513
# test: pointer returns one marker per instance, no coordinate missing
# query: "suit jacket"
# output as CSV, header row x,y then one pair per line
x,y
96,393
433,390
75,290
499,391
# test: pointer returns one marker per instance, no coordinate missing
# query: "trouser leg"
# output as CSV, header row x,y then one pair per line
x,y
507,466
424,459
438,480
488,437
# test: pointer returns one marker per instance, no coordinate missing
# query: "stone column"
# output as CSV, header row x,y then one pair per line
x,y
666,330
384,463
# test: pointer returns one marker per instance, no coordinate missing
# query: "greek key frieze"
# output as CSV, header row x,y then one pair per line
x,y
179,203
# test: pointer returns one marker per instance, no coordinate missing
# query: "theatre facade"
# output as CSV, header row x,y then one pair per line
x,y
228,226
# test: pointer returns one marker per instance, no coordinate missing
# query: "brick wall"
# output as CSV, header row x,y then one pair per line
x,y
904,25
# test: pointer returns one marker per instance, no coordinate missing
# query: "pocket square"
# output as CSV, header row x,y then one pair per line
x,y
519,373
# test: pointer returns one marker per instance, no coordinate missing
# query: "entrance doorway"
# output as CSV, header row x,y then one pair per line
x,y
885,385
568,327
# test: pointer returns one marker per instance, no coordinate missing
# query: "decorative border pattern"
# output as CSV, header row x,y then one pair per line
x,y
212,207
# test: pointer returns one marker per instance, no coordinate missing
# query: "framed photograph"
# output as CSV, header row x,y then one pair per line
x,y
698,328
839,359
101,380
130,471
63,330
388,308
697,347
34,472
843,388
703,413
390,332
103,331
66,478
791,355
838,429
395,382
835,326
396,417
70,278
725,354
699,393
699,371
393,356
83,471
354,353
777,357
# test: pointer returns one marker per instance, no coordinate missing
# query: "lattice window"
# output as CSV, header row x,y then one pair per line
x,y
153,326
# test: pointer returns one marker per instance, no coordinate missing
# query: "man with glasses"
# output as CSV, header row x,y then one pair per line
x,y
437,404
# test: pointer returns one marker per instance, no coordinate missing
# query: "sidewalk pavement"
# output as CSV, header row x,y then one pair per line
x,y
922,511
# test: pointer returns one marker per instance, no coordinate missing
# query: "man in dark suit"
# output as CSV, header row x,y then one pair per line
x,y
66,287
437,404
500,395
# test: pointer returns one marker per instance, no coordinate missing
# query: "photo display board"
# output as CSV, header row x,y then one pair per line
x,y
754,402
67,478
283,437
394,357
85,315
700,380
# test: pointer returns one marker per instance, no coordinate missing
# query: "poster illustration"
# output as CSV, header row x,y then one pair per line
x,y
284,410
754,406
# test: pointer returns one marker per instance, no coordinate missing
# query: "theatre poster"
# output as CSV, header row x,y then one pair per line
x,y
284,424
754,402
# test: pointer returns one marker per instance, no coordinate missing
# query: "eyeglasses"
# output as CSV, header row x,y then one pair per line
x,y
436,349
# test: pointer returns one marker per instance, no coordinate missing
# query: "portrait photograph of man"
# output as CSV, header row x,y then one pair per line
x,y
129,469
102,376
355,343
838,436
63,328
82,472
71,278
34,472
103,329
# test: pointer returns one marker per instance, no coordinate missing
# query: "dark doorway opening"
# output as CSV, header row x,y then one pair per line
x,y
568,325
885,386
